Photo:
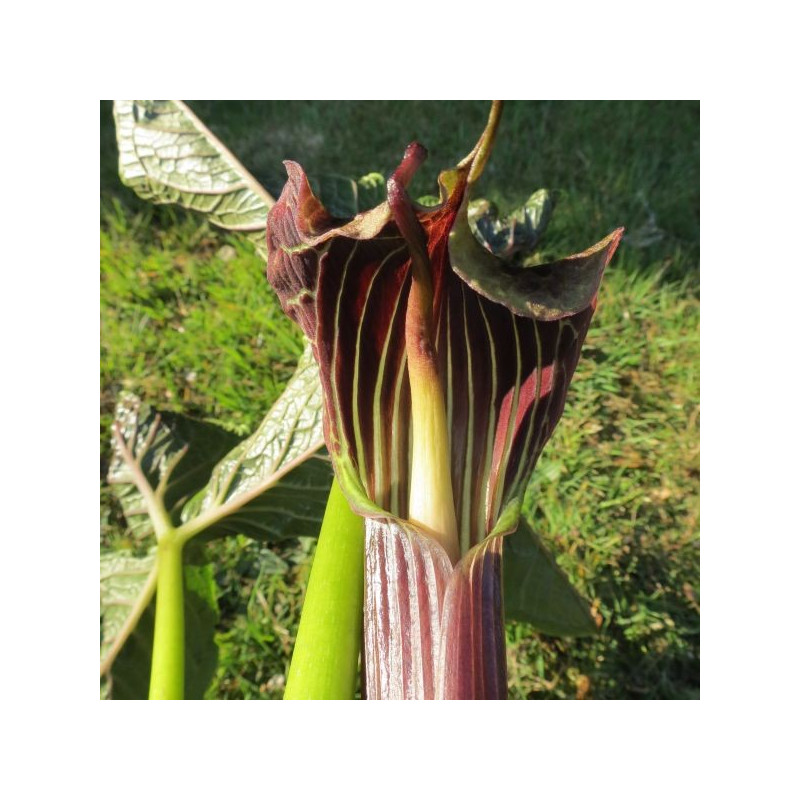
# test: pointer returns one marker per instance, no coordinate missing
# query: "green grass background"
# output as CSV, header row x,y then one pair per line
x,y
189,322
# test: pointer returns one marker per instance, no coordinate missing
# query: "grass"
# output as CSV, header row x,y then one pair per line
x,y
615,493
189,323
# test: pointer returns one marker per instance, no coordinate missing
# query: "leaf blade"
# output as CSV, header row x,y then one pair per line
x,y
537,591
127,585
519,232
344,197
276,482
130,671
167,155
170,446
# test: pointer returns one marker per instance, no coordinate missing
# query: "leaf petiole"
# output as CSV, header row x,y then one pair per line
x,y
167,673
325,658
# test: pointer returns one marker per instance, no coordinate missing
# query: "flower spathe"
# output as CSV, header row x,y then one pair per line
x,y
507,340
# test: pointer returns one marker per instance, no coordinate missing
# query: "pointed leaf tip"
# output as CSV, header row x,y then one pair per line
x,y
539,592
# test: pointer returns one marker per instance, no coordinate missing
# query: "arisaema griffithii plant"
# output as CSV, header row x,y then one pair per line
x,y
439,370
444,371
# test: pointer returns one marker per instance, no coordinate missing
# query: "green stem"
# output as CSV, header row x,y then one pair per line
x,y
325,659
167,673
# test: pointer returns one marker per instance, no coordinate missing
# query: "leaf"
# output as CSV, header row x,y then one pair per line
x,y
537,591
289,506
226,488
166,155
274,484
519,232
130,672
159,439
344,197
127,585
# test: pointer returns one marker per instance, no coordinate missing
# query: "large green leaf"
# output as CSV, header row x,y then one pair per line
x,y
166,155
293,506
123,578
270,486
535,589
184,449
274,484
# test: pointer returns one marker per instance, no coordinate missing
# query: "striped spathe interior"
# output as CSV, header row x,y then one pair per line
x,y
508,340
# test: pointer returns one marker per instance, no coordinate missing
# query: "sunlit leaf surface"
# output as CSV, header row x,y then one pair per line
x,y
166,155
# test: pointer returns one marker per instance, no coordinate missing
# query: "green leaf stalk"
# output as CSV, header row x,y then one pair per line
x,y
325,659
167,673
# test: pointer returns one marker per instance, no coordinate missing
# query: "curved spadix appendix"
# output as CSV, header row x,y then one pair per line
x,y
403,305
